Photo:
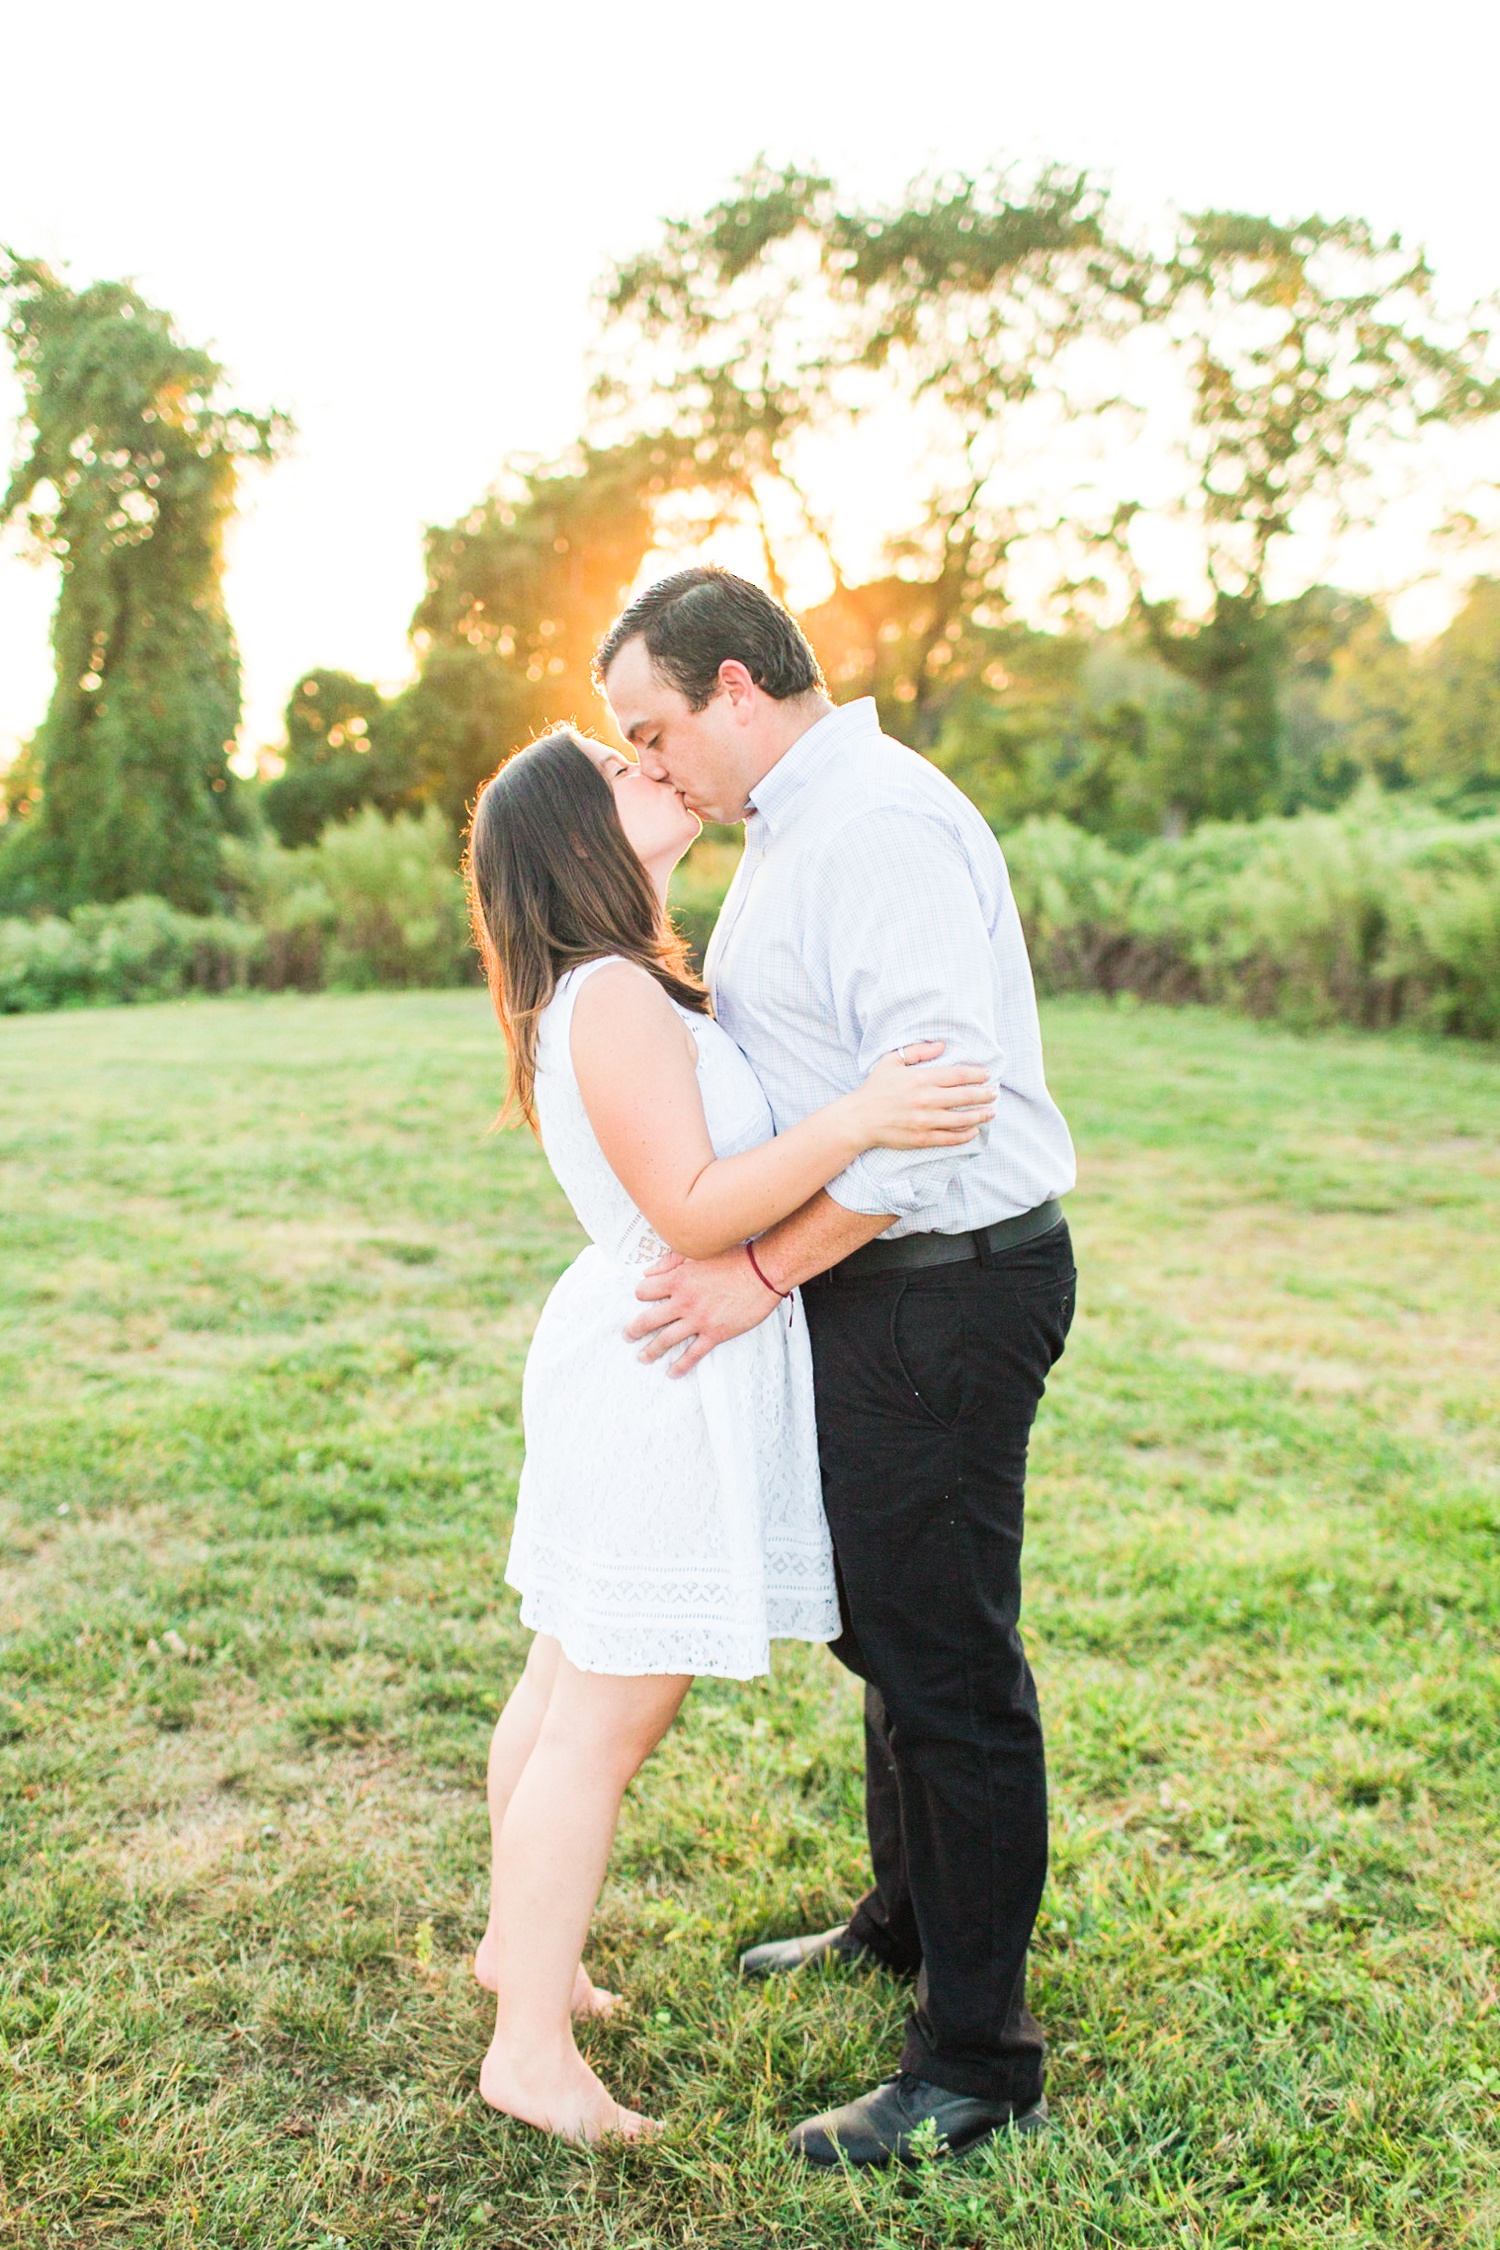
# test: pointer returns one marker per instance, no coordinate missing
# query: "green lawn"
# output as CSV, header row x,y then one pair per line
x,y
264,1300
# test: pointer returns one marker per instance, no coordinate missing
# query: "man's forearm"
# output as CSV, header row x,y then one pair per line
x,y
815,1238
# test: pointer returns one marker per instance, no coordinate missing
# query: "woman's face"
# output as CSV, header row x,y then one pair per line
x,y
657,824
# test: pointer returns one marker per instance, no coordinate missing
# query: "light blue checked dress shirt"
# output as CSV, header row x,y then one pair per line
x,y
871,908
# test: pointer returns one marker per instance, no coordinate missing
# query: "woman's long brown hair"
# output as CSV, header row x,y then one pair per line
x,y
553,883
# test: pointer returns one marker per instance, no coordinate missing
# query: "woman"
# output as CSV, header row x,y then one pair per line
x,y
664,1527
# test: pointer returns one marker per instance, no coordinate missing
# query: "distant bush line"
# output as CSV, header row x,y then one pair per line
x,y
1384,912
1381,913
373,902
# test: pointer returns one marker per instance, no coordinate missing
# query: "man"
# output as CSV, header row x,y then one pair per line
x,y
872,909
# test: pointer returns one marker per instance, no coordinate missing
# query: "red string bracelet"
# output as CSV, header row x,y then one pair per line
x,y
784,1294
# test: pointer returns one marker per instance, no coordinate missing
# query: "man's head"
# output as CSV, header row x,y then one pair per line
x,y
710,681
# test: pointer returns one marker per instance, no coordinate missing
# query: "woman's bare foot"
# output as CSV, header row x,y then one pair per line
x,y
589,1999
562,2096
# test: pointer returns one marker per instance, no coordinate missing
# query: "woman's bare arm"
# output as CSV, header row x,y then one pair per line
x,y
636,1063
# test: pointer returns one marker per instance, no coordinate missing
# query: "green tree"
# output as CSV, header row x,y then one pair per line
x,y
1454,741
1089,725
336,759
1314,351
782,316
129,478
1311,354
1346,687
518,594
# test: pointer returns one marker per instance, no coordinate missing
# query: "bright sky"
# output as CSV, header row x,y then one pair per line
x,y
389,220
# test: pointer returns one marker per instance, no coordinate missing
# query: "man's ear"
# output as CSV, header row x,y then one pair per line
x,y
735,682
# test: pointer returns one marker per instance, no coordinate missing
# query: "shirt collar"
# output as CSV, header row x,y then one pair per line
x,y
776,793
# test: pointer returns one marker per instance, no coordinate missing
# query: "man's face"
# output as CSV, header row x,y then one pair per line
x,y
710,757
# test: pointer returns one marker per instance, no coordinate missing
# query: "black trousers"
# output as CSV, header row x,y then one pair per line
x,y
928,1382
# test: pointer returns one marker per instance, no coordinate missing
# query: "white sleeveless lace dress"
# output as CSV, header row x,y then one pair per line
x,y
664,1524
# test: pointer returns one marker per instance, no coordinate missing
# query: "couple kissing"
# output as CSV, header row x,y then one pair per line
x,y
786,1390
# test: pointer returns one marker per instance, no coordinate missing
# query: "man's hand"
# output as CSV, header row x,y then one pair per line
x,y
699,1302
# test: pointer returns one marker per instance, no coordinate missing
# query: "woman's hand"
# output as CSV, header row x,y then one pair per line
x,y
909,1102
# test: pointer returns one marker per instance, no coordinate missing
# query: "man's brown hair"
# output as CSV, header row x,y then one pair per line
x,y
697,619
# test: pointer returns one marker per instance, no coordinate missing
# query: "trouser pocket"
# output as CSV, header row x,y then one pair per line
x,y
926,1332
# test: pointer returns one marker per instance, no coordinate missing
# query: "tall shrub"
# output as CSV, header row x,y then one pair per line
x,y
1383,912
398,901
372,902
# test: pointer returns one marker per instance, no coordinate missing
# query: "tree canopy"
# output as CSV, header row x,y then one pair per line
x,y
1315,352
1002,321
782,317
1043,396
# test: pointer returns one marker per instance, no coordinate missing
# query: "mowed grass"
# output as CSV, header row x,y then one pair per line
x,y
267,1286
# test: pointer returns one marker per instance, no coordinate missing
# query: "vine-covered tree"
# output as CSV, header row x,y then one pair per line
x,y
129,478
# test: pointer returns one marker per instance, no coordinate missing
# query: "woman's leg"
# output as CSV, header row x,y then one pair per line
x,y
515,1733
597,1731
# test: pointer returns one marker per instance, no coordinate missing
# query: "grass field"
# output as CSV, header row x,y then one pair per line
x,y
265,1292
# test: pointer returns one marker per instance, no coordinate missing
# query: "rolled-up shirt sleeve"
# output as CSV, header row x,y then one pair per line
x,y
909,956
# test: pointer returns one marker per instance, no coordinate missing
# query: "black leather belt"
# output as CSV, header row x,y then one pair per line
x,y
910,1251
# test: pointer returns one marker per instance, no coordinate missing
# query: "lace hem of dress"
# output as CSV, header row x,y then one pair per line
x,y
699,1647
794,1568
